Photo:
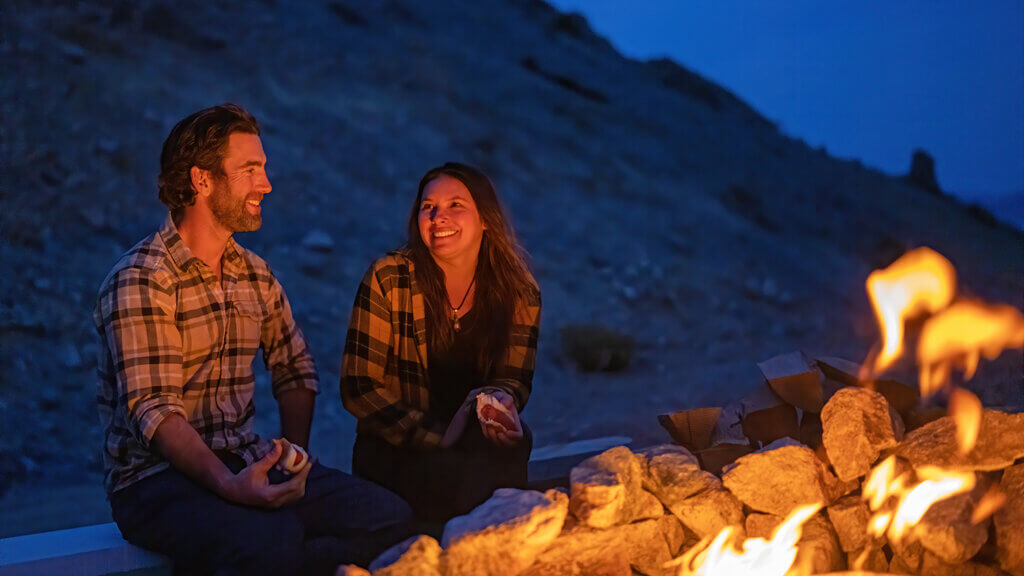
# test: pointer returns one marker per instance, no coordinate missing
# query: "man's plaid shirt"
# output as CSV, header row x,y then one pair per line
x,y
174,339
384,376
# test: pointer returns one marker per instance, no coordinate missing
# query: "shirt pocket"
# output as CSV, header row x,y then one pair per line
x,y
248,325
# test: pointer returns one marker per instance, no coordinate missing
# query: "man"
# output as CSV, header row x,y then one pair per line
x,y
180,318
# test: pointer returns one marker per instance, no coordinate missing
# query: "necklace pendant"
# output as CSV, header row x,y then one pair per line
x,y
455,317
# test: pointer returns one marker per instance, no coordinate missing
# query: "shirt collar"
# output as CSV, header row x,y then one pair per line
x,y
183,256
179,252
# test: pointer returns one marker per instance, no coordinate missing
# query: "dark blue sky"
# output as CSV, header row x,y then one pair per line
x,y
868,79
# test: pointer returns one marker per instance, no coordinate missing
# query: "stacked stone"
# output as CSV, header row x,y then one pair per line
x,y
631,512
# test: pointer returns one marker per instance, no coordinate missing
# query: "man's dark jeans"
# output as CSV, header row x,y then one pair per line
x,y
341,519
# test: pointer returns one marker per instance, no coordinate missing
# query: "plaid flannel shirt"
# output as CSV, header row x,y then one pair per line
x,y
175,340
384,377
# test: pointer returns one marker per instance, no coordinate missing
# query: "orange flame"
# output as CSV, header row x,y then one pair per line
x,y
962,333
920,281
965,410
913,501
991,502
760,557
937,485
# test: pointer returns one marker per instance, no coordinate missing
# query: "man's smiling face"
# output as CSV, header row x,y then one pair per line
x,y
238,191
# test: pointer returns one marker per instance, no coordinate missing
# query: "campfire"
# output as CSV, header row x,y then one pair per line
x,y
829,468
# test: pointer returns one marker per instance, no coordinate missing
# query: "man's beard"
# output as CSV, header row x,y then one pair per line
x,y
231,212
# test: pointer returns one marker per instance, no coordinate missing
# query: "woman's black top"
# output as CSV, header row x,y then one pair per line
x,y
454,372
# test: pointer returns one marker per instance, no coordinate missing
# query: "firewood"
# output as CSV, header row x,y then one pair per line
x,y
769,424
691,428
796,380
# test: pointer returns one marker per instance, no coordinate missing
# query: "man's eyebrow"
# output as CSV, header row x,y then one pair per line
x,y
256,163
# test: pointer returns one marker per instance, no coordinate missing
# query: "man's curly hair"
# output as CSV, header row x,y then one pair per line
x,y
198,140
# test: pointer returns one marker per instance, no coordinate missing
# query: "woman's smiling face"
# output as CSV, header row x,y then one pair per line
x,y
449,222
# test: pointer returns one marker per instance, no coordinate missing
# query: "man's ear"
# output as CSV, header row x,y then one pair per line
x,y
200,181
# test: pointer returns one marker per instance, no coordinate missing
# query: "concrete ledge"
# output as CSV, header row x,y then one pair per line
x,y
549,466
86,551
99,550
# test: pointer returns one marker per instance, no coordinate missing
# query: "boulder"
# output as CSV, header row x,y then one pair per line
x,y
870,559
318,241
857,424
907,556
695,496
1000,443
607,489
818,546
781,476
934,566
1009,521
849,516
946,529
504,535
643,547
922,172
416,556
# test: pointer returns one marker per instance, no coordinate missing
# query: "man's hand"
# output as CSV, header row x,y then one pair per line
x,y
497,434
252,487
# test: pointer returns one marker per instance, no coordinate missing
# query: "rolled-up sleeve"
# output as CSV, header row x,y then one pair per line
x,y
145,345
285,350
515,374
369,346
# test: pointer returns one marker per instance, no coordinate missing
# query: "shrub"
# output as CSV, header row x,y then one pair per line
x,y
595,347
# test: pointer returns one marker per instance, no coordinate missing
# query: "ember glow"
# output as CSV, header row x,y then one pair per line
x,y
960,335
912,500
756,557
921,281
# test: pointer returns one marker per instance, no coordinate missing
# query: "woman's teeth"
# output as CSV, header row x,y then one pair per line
x,y
444,234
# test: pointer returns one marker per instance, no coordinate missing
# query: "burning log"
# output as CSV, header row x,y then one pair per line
x,y
858,424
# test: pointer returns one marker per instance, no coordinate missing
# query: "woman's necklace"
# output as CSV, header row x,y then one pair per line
x,y
455,309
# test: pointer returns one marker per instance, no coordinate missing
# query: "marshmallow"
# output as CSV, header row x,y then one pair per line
x,y
294,459
499,413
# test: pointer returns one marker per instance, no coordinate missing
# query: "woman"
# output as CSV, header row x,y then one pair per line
x,y
439,330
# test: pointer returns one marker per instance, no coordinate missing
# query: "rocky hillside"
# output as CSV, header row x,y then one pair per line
x,y
653,202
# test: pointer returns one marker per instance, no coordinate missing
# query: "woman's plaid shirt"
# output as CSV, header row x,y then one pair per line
x,y
175,340
384,377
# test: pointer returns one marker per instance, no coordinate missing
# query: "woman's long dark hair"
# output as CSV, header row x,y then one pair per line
x,y
504,283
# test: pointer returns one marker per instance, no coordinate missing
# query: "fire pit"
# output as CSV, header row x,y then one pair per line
x,y
828,468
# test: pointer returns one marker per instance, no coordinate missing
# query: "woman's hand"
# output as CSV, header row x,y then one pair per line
x,y
497,434
458,424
